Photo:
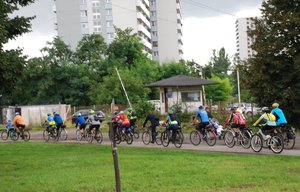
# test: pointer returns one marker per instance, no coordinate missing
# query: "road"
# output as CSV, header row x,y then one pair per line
x,y
219,147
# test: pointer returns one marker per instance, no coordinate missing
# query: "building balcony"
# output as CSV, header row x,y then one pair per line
x,y
144,31
146,43
144,19
141,5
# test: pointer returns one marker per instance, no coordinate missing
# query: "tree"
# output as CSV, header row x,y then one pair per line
x,y
12,61
218,65
273,74
219,92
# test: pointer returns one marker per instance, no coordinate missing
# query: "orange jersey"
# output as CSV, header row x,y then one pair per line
x,y
125,120
18,120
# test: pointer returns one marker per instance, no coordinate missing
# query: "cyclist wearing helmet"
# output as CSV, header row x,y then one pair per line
x,y
58,120
236,120
81,121
94,121
202,116
172,121
269,120
280,117
125,123
154,120
50,121
18,122
131,116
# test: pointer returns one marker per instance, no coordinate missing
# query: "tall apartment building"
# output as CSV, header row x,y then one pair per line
x,y
243,40
76,18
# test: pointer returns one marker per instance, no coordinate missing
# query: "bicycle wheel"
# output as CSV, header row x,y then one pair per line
x,y
78,135
178,139
14,135
276,144
99,137
26,135
136,132
63,134
229,139
158,138
211,138
288,143
146,137
245,139
165,139
256,143
46,135
4,135
89,136
195,138
129,138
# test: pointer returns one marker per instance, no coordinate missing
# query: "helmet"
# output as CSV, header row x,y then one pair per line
x,y
17,113
79,114
265,109
274,105
170,111
200,107
121,112
92,111
234,107
55,113
48,114
115,112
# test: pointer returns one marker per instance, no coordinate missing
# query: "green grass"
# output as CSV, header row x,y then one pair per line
x,y
33,166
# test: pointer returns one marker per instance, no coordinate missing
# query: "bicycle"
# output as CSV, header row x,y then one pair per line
x,y
135,131
288,135
50,133
14,136
274,142
97,135
147,137
242,136
123,135
196,136
85,135
62,133
176,136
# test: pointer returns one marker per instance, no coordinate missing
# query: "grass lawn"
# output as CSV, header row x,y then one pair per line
x,y
33,166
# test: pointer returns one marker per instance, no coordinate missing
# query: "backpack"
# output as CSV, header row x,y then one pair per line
x,y
96,118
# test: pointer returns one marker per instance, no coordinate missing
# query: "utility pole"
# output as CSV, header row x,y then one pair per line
x,y
114,151
123,87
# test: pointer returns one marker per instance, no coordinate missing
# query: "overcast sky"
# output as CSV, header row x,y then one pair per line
x,y
207,25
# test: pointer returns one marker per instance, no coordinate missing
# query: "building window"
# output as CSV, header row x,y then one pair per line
x,y
153,23
84,25
155,53
155,43
82,1
190,96
154,33
110,35
83,13
108,23
108,11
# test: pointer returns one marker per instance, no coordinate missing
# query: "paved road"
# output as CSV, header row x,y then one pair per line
x,y
219,147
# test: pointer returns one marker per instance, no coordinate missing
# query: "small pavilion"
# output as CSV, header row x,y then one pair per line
x,y
181,89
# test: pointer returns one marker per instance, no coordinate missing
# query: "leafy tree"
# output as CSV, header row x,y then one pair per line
x,y
273,74
12,61
170,69
219,92
218,65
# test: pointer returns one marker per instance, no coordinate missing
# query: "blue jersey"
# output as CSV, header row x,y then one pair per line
x,y
57,118
202,114
280,118
80,120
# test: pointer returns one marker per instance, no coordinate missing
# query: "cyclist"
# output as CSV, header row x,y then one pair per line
x,y
171,121
9,125
154,120
125,123
58,120
207,109
280,117
269,120
236,120
202,116
93,120
18,122
131,114
50,121
81,121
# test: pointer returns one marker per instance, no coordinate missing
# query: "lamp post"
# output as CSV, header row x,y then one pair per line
x,y
238,84
200,73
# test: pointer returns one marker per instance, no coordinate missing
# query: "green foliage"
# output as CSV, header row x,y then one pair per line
x,y
11,61
142,107
273,74
219,92
171,69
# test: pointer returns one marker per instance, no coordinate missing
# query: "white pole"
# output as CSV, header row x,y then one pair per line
x,y
238,84
123,87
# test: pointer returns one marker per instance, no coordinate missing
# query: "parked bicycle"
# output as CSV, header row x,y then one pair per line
x,y
174,136
210,138
147,136
274,142
10,132
242,136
